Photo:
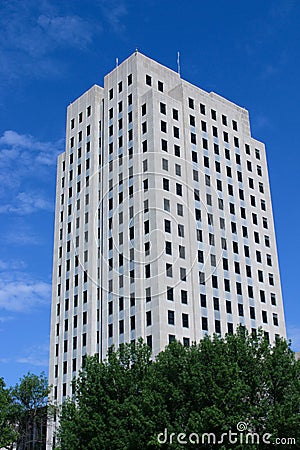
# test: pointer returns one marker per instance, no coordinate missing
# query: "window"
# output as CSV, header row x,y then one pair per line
x,y
182,274
236,142
111,93
129,79
166,204
176,150
164,145
194,140
178,170
203,300
166,184
167,226
218,326
199,235
181,251
214,281
264,316
185,320
178,189
163,126
213,114
204,323
202,108
175,114
163,108
170,293
148,319
180,230
273,299
171,317
147,271
252,312
160,86
179,209
169,270
148,294
184,297
240,310
191,103
168,247
148,80
149,341
216,304
144,109
228,307
224,120
147,248
227,285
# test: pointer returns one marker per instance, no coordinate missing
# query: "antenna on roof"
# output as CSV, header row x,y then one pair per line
x,y
178,63
117,62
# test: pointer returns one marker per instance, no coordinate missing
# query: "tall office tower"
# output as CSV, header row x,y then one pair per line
x,y
164,224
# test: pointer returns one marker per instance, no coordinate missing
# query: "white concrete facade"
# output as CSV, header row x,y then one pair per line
x,y
164,225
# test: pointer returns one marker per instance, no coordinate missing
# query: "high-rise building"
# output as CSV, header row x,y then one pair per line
x,y
163,226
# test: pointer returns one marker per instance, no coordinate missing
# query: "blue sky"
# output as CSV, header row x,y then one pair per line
x,y
52,51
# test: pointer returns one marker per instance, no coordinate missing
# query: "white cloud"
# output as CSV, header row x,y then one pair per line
x,y
35,34
114,12
20,236
23,159
12,264
27,203
37,355
19,293
70,31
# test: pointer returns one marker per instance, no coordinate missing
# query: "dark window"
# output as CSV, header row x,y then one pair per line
x,y
171,317
185,320
191,103
170,293
163,108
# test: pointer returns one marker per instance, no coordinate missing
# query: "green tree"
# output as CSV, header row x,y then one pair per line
x,y
127,400
7,414
30,397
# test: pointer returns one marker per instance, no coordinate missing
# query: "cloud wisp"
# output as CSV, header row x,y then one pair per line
x,y
25,164
32,32
19,293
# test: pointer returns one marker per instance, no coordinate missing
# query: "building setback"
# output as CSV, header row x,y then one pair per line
x,y
163,225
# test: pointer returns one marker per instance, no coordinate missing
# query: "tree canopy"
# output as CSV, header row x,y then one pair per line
x,y
23,413
237,384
